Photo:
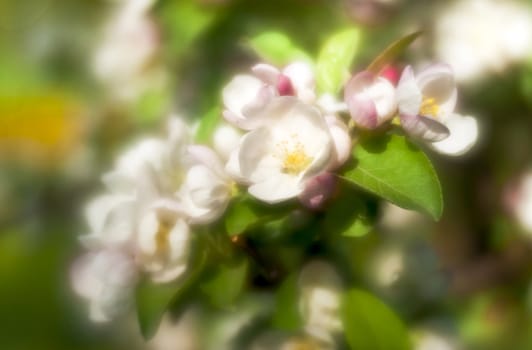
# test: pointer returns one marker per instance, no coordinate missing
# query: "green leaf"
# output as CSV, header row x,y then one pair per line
x,y
347,214
394,169
277,48
207,125
152,300
370,324
286,314
226,283
392,52
184,22
240,215
335,59
151,106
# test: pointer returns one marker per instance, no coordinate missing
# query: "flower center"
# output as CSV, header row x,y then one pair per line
x,y
293,156
161,237
429,107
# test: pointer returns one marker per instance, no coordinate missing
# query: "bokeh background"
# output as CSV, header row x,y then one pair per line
x,y
464,282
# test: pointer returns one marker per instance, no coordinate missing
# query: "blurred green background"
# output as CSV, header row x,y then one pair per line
x,y
466,277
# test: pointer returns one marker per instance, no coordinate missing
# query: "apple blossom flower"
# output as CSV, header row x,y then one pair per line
x,y
246,95
130,44
143,214
206,189
277,158
105,278
468,40
152,167
163,245
320,301
426,103
370,99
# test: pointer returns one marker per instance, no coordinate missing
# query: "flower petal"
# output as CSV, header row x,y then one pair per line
x,y
277,188
371,100
437,81
341,140
409,95
225,140
266,72
463,136
424,128
301,74
240,91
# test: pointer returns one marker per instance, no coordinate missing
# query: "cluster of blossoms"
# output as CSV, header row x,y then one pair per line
x,y
423,102
157,191
282,141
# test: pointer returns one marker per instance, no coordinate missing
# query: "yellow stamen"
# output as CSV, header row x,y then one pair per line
x,y
161,237
429,107
294,158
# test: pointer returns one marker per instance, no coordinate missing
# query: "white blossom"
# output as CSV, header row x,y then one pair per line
x,y
163,245
247,95
206,190
129,45
426,103
481,36
321,289
292,145
105,278
142,214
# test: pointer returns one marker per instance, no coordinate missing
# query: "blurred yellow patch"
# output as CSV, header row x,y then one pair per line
x,y
40,130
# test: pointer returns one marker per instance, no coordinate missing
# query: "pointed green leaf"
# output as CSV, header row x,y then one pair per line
x,y
277,48
392,52
370,324
347,215
226,283
240,215
335,59
286,315
395,169
153,300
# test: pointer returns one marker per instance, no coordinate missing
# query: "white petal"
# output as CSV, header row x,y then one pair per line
x,y
148,228
424,128
204,196
277,188
232,167
341,139
225,140
301,75
98,210
267,73
330,104
106,279
437,81
409,95
371,100
240,92
207,157
254,149
463,136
